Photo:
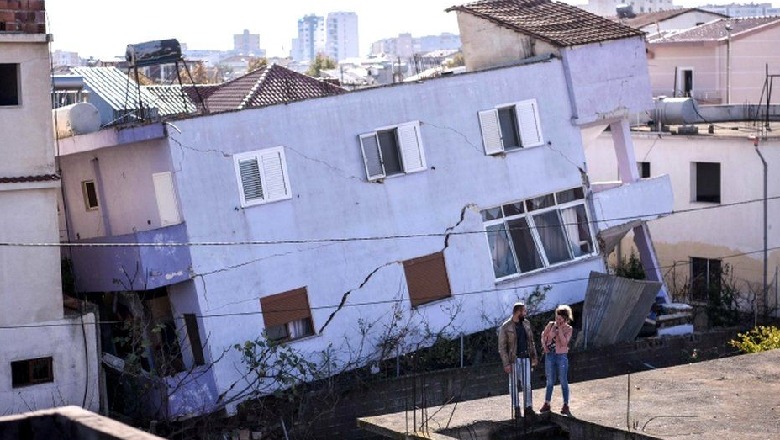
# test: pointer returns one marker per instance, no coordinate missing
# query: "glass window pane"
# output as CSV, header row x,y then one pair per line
x,y
390,156
575,220
570,195
508,122
276,332
513,209
527,254
500,251
491,214
541,202
550,230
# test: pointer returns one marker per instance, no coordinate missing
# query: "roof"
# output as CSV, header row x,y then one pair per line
x,y
716,30
115,87
643,19
171,99
270,85
557,23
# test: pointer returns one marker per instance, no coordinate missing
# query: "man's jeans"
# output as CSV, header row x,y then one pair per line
x,y
556,365
522,373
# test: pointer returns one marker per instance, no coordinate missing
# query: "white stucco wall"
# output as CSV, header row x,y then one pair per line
x,y
733,231
332,199
608,79
75,366
485,44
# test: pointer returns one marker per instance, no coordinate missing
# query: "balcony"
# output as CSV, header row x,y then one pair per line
x,y
131,262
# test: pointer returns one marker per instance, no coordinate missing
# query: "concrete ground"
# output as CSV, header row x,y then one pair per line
x,y
728,399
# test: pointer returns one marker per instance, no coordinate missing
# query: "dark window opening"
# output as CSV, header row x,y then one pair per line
x,y
31,372
705,278
687,83
707,182
9,84
391,157
90,194
644,169
193,334
507,119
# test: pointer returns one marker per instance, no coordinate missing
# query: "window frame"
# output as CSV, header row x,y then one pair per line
x,y
85,194
696,195
30,378
694,293
408,147
530,214
283,310
278,177
528,127
422,273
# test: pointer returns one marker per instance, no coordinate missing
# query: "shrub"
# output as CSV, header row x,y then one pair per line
x,y
761,338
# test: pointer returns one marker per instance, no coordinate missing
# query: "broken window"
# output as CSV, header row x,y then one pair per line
x,y
426,279
262,176
287,315
89,191
9,84
31,372
539,232
705,278
392,150
706,182
510,127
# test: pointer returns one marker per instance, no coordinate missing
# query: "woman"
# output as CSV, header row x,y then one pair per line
x,y
555,342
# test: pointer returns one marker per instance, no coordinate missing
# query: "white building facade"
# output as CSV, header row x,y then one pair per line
x,y
342,35
311,38
47,357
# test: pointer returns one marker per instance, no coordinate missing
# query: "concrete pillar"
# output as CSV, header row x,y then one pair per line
x,y
624,151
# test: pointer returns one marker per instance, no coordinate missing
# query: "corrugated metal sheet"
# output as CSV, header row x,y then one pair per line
x,y
615,309
116,88
172,100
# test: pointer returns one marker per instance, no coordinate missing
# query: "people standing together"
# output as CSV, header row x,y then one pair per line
x,y
518,356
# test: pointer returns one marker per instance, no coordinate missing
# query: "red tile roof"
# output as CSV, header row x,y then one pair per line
x,y
557,23
643,19
271,85
25,179
716,30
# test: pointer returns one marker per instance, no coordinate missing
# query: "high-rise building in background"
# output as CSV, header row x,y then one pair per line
x,y
405,46
311,38
743,9
342,36
608,8
247,44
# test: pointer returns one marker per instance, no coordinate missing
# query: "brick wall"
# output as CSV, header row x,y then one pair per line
x,y
23,16
458,384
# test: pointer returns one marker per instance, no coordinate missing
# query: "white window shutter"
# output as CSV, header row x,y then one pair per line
x,y
167,204
275,175
528,123
491,131
251,185
369,145
411,148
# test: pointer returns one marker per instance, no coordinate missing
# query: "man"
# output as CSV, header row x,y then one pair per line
x,y
518,355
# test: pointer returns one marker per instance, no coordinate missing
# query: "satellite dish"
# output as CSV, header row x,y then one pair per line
x,y
625,11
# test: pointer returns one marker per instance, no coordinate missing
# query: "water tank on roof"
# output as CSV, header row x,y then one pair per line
x,y
74,119
677,111
153,53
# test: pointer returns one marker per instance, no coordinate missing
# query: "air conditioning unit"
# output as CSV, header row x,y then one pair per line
x,y
153,53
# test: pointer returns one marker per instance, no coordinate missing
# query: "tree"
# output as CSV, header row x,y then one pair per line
x,y
321,62
257,63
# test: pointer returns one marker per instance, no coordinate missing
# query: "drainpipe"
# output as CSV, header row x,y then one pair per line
x,y
763,162
728,63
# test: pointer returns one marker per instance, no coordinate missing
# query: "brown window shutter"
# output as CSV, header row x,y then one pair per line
x,y
426,278
285,307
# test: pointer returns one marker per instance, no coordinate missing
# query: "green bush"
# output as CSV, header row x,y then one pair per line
x,y
761,338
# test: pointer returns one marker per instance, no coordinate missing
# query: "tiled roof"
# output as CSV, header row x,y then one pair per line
x,y
171,99
557,23
25,179
716,30
115,87
643,19
271,85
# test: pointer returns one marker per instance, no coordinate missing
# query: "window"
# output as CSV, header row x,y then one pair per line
x,y
543,231
426,279
511,127
193,334
644,169
89,191
9,84
31,372
706,182
684,82
705,278
262,176
392,150
287,315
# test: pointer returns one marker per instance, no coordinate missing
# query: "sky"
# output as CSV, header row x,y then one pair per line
x,y
103,29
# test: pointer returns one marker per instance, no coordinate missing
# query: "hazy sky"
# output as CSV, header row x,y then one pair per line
x,y
103,28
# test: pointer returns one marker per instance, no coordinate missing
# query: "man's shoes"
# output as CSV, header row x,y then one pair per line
x,y
545,408
529,411
517,413
565,410
529,415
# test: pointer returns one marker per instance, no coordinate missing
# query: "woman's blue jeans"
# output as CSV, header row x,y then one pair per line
x,y
556,366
